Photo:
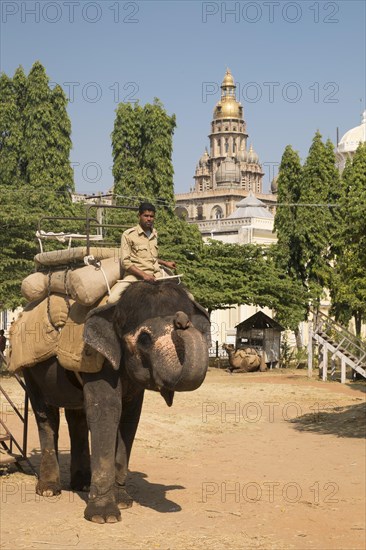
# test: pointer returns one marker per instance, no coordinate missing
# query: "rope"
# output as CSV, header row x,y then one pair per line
x,y
67,299
49,301
90,260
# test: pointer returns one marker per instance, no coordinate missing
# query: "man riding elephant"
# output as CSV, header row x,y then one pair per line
x,y
139,253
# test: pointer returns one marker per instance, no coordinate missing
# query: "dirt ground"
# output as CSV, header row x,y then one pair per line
x,y
249,461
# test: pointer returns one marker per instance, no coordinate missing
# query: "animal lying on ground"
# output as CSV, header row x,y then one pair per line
x,y
244,360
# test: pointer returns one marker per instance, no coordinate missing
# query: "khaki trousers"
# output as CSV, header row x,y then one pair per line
x,y
121,286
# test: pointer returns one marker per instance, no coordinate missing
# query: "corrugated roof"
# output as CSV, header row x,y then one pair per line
x,y
260,321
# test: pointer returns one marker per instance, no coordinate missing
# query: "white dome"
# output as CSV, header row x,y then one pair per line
x,y
353,137
227,172
274,184
252,156
242,155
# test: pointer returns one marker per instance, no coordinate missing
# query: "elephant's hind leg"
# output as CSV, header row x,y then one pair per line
x,y
80,456
131,411
48,422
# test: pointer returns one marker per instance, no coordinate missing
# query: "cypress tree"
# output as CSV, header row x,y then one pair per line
x,y
43,179
285,223
38,122
348,290
316,224
10,133
157,149
62,174
20,87
128,170
142,166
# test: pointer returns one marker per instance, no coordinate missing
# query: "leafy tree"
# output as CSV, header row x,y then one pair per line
x,y
285,223
128,172
317,224
142,143
20,87
157,149
47,135
39,177
287,253
348,288
142,150
10,132
221,275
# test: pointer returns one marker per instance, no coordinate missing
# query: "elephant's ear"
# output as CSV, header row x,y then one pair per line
x,y
99,334
201,321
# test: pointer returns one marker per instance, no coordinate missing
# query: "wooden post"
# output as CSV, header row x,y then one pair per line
x,y
310,350
325,362
343,370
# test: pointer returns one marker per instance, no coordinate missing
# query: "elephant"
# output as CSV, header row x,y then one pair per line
x,y
155,337
244,360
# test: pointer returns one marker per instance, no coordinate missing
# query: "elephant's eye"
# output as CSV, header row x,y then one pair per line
x,y
144,339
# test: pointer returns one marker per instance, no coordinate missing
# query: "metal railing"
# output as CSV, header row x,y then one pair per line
x,y
344,341
16,452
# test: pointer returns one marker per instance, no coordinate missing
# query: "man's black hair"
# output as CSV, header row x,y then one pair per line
x,y
146,206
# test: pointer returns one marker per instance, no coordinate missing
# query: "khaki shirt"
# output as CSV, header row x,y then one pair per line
x,y
140,250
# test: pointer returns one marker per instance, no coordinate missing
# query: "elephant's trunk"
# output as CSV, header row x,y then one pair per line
x,y
195,359
180,364
176,360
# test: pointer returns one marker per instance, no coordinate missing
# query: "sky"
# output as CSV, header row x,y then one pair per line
x,y
299,67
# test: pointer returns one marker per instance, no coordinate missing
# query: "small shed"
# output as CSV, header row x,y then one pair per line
x,y
262,333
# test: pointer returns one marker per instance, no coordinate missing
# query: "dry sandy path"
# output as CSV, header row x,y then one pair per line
x,y
264,460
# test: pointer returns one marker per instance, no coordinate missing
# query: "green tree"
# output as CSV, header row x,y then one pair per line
x,y
348,288
128,172
316,220
221,275
142,145
285,223
39,178
157,149
20,87
47,135
10,133
287,253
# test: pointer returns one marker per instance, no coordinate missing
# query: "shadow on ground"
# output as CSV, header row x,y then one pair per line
x,y
145,493
346,421
151,495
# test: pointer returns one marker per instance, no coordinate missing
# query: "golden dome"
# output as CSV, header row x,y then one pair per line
x,y
228,107
228,79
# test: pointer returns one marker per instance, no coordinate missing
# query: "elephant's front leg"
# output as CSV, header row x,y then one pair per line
x,y
103,405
